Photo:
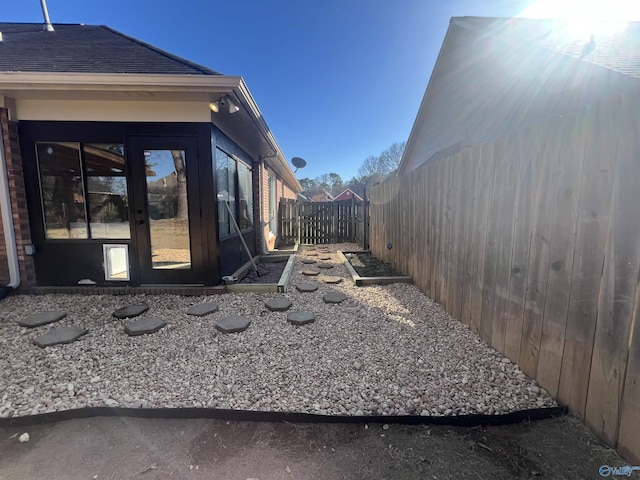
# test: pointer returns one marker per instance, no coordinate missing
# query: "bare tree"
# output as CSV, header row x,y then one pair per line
x,y
376,168
182,211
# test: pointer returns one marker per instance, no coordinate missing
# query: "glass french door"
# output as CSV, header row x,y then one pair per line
x,y
166,210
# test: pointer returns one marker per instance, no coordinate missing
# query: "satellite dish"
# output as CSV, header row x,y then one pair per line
x,y
298,163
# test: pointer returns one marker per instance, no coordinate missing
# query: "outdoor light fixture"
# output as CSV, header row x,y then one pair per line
x,y
224,102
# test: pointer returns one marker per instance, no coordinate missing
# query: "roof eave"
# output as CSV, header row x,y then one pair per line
x,y
114,82
414,129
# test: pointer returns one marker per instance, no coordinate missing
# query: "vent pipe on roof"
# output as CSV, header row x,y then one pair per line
x,y
45,12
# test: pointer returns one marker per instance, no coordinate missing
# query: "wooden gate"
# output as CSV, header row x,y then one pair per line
x,y
323,222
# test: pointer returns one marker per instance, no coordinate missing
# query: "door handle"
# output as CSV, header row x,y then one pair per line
x,y
140,222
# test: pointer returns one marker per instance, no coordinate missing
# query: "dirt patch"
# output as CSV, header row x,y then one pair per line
x,y
369,266
267,273
135,448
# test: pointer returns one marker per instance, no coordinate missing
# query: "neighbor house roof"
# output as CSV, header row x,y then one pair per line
x,y
27,47
347,194
493,75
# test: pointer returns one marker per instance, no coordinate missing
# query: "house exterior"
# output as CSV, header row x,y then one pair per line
x,y
347,194
119,160
516,206
495,75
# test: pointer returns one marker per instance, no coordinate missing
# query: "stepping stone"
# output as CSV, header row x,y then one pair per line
x,y
41,318
301,318
312,254
334,297
308,261
311,273
278,304
307,287
203,309
330,279
131,311
325,265
144,326
325,258
56,336
233,324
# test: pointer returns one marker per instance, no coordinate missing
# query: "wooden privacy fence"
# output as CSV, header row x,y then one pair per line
x,y
322,222
533,241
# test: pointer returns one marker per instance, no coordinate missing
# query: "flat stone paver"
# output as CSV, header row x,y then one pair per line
x,y
59,335
308,261
334,297
278,304
307,287
42,318
233,324
301,318
312,254
144,326
131,311
325,258
325,265
331,279
311,273
203,309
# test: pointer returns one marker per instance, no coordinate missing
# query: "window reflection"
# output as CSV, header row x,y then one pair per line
x,y
63,196
107,188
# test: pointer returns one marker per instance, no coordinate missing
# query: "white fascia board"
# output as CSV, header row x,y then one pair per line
x,y
282,166
116,82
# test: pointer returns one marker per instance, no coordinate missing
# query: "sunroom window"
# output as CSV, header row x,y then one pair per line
x,y
84,190
233,184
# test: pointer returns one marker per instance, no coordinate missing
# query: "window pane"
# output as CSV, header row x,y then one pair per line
x,y
233,198
273,220
245,214
62,190
107,188
167,205
222,189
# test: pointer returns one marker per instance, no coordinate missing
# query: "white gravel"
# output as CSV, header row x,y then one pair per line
x,y
386,350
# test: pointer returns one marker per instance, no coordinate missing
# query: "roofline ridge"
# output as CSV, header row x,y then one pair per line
x,y
204,69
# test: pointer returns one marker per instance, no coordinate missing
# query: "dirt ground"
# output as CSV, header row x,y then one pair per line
x,y
127,448
269,273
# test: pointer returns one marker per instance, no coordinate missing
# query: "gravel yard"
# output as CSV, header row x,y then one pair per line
x,y
385,350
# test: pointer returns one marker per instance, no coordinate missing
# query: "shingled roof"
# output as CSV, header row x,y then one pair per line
x,y
495,75
27,47
612,45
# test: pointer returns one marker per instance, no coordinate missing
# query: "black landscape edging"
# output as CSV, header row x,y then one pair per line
x,y
258,416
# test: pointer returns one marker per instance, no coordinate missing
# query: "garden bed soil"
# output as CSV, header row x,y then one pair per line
x,y
369,266
366,269
267,273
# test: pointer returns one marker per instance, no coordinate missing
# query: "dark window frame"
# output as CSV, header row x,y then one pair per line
x,y
236,184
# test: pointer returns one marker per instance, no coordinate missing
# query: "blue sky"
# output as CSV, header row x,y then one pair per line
x,y
336,80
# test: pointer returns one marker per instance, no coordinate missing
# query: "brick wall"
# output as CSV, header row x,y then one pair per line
x,y
18,198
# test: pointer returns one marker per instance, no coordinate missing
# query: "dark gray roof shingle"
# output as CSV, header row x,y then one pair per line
x,y
27,47
617,44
